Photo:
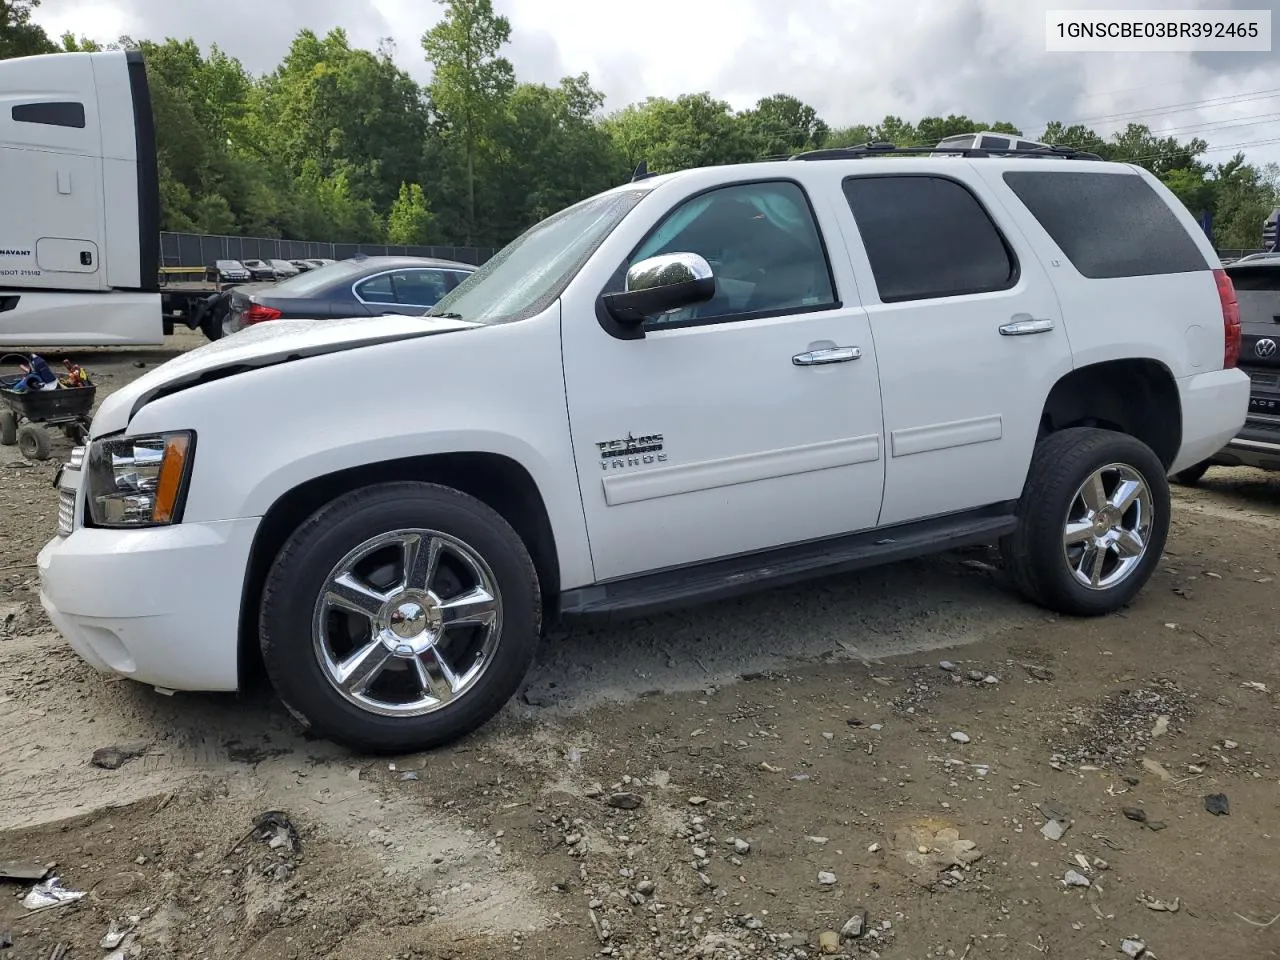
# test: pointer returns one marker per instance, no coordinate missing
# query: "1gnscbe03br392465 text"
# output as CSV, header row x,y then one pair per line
x,y
1151,31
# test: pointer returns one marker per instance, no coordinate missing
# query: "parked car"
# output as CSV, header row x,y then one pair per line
x,y
1256,279
694,385
260,271
284,269
302,266
320,261
228,271
368,287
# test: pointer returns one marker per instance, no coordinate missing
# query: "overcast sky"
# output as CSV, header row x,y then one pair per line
x,y
854,60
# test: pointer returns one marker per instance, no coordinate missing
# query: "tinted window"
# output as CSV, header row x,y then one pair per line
x,y
422,288
55,114
928,237
762,244
376,290
1108,225
995,143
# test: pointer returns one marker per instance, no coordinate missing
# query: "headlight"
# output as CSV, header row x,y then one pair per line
x,y
139,481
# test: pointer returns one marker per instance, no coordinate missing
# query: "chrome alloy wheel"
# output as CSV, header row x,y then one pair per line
x,y
407,622
1108,526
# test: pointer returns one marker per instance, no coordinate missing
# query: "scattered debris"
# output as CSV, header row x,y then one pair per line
x,y
855,925
826,878
50,893
59,952
625,801
1218,804
6,939
1054,830
948,666
1038,672
768,767
115,935
697,801
1053,810
1160,906
1153,766
741,847
960,737
18,870
408,775
829,942
276,830
818,840
1257,923
874,848
113,758
594,792
1161,726
1074,878
1134,949
1254,685
1136,814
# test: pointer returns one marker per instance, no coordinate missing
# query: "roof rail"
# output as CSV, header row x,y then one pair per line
x,y
876,149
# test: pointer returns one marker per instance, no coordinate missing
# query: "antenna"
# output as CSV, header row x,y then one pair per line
x,y
641,172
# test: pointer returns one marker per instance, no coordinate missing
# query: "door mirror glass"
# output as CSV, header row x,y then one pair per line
x,y
660,284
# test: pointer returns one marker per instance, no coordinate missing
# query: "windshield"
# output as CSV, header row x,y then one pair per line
x,y
528,274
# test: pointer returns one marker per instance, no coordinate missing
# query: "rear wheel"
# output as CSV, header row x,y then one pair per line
x,y
400,617
1193,474
33,441
1092,522
8,428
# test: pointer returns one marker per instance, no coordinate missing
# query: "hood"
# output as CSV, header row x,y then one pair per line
x,y
262,345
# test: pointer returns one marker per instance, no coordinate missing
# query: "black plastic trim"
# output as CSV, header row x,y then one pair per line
x,y
718,579
53,113
144,131
9,302
621,331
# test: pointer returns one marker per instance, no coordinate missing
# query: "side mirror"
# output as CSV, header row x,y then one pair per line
x,y
660,284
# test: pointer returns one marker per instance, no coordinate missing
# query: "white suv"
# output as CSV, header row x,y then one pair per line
x,y
692,385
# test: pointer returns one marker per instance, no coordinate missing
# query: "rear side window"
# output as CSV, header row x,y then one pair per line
x,y
1108,225
928,237
54,113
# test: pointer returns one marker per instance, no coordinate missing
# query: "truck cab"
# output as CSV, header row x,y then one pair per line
x,y
79,239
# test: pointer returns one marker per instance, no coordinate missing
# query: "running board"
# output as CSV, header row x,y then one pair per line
x,y
719,579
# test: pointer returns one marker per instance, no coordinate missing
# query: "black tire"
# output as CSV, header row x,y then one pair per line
x,y
1034,554
299,573
8,428
33,441
1193,474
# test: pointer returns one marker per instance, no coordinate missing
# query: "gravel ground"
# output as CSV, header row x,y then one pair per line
x,y
748,779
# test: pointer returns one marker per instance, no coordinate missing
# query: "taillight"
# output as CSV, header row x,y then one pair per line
x,y
258,313
1230,319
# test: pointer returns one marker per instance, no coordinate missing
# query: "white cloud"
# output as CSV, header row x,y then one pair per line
x,y
854,60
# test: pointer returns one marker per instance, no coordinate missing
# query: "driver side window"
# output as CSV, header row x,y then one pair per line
x,y
762,244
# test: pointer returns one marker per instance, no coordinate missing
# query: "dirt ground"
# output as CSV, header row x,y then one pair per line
x,y
735,781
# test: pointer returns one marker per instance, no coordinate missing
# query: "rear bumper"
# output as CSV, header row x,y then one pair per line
x,y
1256,445
1214,407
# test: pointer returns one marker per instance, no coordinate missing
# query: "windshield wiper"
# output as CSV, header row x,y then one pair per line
x,y
445,316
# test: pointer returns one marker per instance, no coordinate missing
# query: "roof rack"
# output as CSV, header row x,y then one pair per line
x,y
876,149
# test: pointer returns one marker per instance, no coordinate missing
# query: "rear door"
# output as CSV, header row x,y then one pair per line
x,y
967,330
408,290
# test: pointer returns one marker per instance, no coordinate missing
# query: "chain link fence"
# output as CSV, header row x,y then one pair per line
x,y
194,252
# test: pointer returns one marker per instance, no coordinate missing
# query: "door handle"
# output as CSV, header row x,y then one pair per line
x,y
1024,325
829,355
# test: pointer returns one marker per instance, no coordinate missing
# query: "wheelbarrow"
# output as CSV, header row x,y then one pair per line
x,y
31,414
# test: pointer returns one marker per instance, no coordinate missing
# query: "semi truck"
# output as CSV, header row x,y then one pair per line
x,y
80,206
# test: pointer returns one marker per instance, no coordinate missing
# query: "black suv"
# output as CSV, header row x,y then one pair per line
x,y
1257,282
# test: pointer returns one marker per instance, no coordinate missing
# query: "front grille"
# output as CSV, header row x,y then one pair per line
x,y
66,512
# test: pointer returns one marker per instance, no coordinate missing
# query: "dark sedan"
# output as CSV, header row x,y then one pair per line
x,y
369,286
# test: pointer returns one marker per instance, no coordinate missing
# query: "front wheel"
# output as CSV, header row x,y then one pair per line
x,y
1092,522
400,617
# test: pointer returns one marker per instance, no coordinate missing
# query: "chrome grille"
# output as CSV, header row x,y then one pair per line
x,y
77,458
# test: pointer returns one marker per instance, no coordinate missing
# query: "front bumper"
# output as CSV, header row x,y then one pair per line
x,y
160,605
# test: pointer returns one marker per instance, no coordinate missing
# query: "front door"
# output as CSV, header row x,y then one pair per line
x,y
717,433
969,335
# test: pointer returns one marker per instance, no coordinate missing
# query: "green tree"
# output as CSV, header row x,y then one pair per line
x,y
410,221
694,130
19,37
471,81
785,125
